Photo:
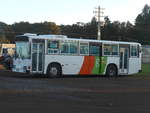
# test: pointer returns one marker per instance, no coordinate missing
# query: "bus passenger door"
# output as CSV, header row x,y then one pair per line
x,y
37,57
124,60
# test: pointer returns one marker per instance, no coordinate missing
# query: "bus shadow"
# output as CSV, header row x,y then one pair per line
x,y
42,76
93,76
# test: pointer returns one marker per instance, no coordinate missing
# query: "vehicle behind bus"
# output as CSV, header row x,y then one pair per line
x,y
7,48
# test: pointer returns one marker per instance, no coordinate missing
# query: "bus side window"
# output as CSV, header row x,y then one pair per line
x,y
95,50
84,49
134,51
107,49
73,47
111,50
53,47
64,47
115,50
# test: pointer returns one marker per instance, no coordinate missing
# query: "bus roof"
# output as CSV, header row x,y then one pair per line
x,y
30,35
64,37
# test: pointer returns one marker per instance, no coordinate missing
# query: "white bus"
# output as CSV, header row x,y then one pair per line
x,y
56,55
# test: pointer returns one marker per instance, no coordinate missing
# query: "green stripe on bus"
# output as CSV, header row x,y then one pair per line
x,y
96,65
103,64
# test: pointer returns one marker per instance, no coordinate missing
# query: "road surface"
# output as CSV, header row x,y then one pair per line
x,y
21,93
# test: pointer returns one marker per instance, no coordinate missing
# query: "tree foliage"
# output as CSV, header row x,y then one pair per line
x,y
122,31
6,33
143,19
41,28
81,30
142,25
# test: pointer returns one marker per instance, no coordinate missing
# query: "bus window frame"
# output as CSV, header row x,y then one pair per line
x,y
137,49
58,48
80,46
69,42
95,44
103,45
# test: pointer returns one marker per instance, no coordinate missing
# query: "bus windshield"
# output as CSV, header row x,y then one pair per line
x,y
22,50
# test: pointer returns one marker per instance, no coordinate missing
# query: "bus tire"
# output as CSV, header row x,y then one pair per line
x,y
111,71
54,70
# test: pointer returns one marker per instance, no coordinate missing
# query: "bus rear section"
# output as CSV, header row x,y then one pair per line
x,y
125,57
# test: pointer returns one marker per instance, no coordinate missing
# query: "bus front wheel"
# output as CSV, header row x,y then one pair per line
x,y
111,71
54,70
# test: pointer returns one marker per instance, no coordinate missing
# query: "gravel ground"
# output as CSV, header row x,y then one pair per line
x,y
21,93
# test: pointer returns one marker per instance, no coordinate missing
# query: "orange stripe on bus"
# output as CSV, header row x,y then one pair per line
x,y
87,65
92,63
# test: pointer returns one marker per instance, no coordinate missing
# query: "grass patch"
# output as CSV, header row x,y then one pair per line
x,y
145,70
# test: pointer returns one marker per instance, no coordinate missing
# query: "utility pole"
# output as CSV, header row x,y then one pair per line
x,y
98,13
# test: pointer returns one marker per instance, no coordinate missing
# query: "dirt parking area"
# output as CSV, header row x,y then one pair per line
x,y
21,93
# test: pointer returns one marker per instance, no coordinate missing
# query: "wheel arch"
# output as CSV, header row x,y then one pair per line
x,y
112,64
54,63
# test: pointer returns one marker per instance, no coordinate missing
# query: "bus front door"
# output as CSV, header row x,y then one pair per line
x,y
37,57
124,56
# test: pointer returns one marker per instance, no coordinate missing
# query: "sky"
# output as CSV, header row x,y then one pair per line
x,y
68,11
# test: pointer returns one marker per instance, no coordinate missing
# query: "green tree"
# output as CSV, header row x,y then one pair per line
x,y
81,30
52,27
143,19
142,25
6,33
38,28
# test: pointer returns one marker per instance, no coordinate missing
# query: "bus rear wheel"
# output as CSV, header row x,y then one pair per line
x,y
111,71
54,71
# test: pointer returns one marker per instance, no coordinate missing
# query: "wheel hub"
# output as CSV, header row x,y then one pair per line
x,y
53,71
